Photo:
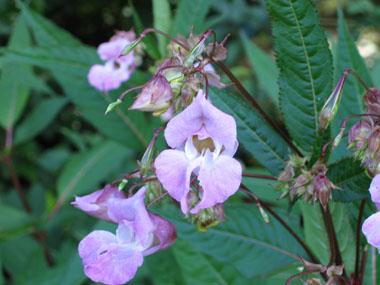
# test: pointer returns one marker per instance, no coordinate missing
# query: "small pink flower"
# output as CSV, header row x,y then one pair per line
x,y
203,141
114,259
116,69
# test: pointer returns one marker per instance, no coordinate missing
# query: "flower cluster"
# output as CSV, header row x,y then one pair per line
x,y
297,181
117,68
198,170
371,225
114,259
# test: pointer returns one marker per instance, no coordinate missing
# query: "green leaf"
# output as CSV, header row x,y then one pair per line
x,y
39,119
351,177
45,31
304,60
375,74
162,22
83,172
190,13
348,57
199,268
253,247
254,134
264,67
316,234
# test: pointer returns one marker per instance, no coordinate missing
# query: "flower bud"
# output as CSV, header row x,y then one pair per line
x,y
113,106
358,134
210,217
372,101
374,141
332,104
131,46
155,95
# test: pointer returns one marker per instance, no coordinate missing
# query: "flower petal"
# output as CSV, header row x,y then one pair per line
x,y
374,189
220,126
219,178
107,261
112,50
103,78
171,167
165,233
371,229
96,204
132,211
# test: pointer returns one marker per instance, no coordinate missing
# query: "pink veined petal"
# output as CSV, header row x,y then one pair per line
x,y
201,113
371,229
112,50
132,211
165,234
374,189
219,178
107,261
95,204
193,165
171,166
103,78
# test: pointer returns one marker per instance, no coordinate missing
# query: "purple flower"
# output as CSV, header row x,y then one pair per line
x,y
116,68
96,204
371,229
203,141
114,259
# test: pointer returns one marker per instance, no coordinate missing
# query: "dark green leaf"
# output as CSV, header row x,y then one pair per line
x,y
351,177
254,134
347,57
84,171
190,13
245,241
39,119
264,67
316,234
162,22
305,64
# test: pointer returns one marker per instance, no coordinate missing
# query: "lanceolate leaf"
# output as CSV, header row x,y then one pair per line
x,y
190,13
347,57
245,241
162,22
351,177
254,134
305,64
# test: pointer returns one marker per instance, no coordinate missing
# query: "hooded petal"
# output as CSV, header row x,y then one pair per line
x,y
132,211
107,261
220,126
96,204
165,234
371,229
219,178
171,169
374,189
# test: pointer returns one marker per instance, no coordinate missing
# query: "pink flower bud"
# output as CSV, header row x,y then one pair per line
x,y
155,95
372,101
359,133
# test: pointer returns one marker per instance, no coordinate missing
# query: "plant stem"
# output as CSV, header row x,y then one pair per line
x,y
362,267
330,233
358,231
246,94
259,176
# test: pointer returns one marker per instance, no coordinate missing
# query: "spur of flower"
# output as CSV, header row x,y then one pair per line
x,y
203,141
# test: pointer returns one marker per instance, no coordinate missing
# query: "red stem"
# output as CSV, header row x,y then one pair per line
x,y
259,176
358,232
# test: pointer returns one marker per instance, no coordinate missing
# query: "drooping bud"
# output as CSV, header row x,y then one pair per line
x,y
332,104
374,141
358,134
131,46
155,95
372,101
195,52
122,184
113,106
146,160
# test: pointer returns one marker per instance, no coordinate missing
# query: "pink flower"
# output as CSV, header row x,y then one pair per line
x,y
116,68
203,141
114,259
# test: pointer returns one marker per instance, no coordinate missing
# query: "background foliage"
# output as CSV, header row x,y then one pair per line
x,y
63,145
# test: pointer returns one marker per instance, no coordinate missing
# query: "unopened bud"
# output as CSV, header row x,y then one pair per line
x,y
113,106
372,101
332,104
359,133
338,138
122,184
374,141
195,52
210,217
131,46
154,96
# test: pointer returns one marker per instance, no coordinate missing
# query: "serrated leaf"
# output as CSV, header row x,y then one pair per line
x,y
305,64
162,22
245,241
351,177
348,57
254,134
316,235
190,13
264,67
39,119
83,172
